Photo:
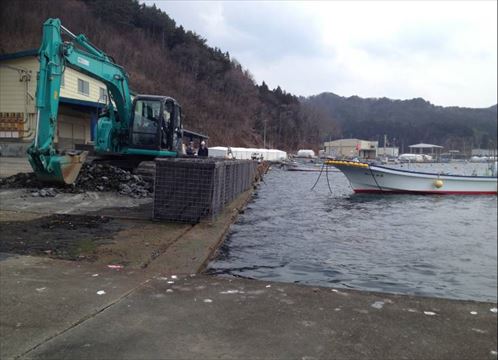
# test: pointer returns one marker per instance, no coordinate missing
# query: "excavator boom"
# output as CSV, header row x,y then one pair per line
x,y
54,54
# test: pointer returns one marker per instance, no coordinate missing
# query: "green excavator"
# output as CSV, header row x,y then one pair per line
x,y
130,131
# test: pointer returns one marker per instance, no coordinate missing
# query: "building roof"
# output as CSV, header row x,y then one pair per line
x,y
350,139
19,54
425,146
193,134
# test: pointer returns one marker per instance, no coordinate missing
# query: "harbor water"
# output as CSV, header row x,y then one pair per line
x,y
439,246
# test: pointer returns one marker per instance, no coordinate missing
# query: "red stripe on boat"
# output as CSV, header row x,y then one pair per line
x,y
377,191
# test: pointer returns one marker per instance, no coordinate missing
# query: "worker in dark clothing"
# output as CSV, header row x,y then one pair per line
x,y
190,149
165,128
203,150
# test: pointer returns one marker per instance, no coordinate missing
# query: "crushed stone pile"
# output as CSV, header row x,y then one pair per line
x,y
92,177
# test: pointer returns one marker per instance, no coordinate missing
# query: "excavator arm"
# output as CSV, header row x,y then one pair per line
x,y
54,56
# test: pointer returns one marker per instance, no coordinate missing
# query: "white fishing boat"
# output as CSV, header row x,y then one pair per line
x,y
368,178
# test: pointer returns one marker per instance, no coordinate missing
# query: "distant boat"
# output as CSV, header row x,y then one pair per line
x,y
309,166
310,169
367,178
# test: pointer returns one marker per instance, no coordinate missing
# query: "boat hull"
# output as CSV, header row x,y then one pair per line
x,y
366,178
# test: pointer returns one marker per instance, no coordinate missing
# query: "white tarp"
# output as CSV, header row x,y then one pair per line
x,y
247,153
411,157
217,151
305,153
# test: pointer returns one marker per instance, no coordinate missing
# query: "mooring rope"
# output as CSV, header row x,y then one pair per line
x,y
316,182
371,173
326,174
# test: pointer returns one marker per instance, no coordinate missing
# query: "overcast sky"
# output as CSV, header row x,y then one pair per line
x,y
445,52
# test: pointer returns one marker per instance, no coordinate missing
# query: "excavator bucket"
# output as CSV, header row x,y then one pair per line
x,y
64,168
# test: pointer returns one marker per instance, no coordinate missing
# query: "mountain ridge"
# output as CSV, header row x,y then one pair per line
x,y
405,122
332,94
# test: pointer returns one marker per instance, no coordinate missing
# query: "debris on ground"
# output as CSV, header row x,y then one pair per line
x,y
92,177
116,267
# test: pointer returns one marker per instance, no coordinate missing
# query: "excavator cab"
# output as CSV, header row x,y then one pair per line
x,y
155,124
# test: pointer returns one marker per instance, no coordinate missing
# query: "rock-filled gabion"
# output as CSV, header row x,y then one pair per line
x,y
92,177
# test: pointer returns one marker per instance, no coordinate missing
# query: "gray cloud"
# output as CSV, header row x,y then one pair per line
x,y
272,32
422,38
445,51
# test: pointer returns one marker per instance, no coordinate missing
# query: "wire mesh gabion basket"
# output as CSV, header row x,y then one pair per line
x,y
189,190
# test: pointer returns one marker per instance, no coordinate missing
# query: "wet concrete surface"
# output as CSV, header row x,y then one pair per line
x,y
71,237
207,317
111,235
133,243
84,203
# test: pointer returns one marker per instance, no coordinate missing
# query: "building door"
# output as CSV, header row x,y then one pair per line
x,y
70,131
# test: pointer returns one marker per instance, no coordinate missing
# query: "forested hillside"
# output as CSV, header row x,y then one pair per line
x,y
219,97
405,122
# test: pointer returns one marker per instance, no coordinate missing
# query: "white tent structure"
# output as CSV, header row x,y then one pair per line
x,y
247,153
303,153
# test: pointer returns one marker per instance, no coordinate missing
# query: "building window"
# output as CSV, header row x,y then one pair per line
x,y
102,95
63,80
83,87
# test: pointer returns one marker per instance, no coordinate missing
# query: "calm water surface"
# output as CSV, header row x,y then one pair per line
x,y
443,246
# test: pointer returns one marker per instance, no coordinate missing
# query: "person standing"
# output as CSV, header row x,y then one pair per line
x,y
203,150
229,153
190,149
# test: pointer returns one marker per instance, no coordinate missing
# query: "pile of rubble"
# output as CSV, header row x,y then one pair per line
x,y
104,177
92,177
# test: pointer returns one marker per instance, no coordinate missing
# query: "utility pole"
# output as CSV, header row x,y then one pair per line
x,y
385,140
264,134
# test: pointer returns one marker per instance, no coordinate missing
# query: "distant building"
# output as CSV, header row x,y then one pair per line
x,y
351,148
81,98
388,151
484,152
451,155
427,149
